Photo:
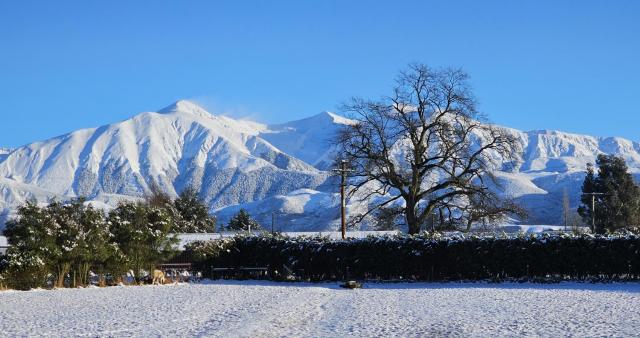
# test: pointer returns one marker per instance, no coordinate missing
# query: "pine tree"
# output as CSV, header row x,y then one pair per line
x,y
28,260
618,206
589,186
65,239
193,212
242,221
142,234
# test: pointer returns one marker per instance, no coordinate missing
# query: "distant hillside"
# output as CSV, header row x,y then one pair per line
x,y
266,169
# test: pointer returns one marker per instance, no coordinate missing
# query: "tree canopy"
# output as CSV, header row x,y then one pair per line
x,y
617,197
194,213
425,148
242,221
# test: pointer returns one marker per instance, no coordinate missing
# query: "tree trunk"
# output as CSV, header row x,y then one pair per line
x,y
84,273
63,269
412,220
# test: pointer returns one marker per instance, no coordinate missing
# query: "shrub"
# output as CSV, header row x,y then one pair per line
x,y
3,269
428,257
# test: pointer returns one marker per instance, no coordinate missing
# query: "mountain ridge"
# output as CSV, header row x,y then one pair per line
x,y
278,168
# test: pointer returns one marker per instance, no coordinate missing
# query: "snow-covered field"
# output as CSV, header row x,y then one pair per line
x,y
248,309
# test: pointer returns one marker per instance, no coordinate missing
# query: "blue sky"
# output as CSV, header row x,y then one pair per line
x,y
64,65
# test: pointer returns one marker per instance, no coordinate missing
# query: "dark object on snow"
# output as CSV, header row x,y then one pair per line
x,y
351,285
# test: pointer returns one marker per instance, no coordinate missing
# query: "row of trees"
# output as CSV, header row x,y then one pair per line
x,y
61,243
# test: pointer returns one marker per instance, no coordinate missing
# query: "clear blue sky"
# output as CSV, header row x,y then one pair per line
x,y
64,65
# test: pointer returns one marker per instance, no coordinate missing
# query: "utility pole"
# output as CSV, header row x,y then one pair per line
x,y
343,182
593,208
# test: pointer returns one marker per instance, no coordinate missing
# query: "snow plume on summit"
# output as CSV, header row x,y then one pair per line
x,y
310,139
266,169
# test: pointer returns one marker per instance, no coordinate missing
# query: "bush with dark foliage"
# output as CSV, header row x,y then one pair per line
x,y
427,257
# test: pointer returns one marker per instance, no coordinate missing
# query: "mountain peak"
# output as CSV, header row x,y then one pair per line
x,y
185,107
327,115
339,119
321,119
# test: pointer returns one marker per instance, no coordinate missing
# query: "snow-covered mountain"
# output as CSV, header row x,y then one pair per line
x,y
266,169
308,139
178,146
4,152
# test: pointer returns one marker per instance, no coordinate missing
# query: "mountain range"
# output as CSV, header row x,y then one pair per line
x,y
280,171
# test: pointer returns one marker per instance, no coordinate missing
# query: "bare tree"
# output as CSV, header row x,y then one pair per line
x,y
487,207
424,147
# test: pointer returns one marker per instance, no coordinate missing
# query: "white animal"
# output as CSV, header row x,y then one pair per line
x,y
158,277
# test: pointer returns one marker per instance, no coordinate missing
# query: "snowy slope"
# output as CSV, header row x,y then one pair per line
x,y
178,146
269,309
300,210
4,152
265,169
550,163
308,139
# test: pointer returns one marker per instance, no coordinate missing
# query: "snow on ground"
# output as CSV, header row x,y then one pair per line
x,y
252,308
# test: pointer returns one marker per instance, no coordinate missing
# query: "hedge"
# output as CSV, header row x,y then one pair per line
x,y
426,257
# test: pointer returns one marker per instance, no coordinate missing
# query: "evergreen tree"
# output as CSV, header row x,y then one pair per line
x,y
242,221
618,205
142,233
30,244
95,248
158,198
193,213
62,240
4,263
67,231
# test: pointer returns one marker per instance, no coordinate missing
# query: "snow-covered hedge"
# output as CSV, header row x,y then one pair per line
x,y
427,257
3,267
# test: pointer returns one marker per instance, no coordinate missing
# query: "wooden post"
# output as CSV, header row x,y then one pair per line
x,y
343,183
593,208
